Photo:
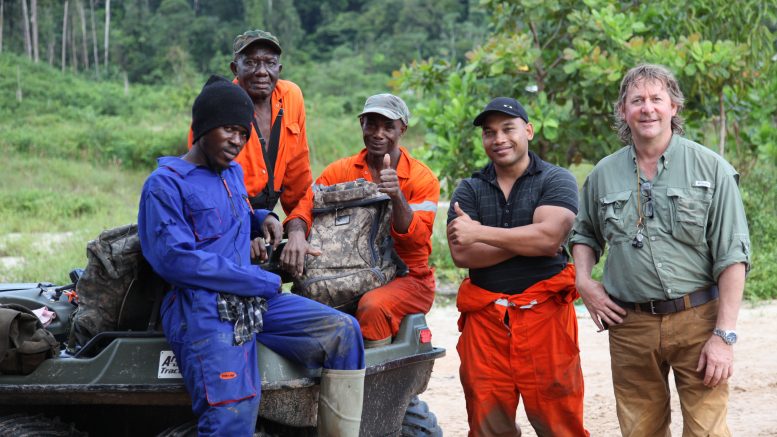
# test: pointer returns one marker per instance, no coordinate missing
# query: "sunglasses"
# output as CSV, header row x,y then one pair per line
x,y
647,192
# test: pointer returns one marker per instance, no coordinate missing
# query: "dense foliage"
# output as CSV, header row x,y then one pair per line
x,y
564,59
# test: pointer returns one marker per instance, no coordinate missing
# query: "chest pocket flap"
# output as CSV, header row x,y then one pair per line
x,y
613,213
690,207
204,216
293,128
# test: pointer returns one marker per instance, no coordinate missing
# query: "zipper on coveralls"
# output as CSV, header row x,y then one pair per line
x,y
234,213
507,304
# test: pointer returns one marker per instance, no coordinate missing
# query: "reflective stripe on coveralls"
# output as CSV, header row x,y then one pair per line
x,y
536,357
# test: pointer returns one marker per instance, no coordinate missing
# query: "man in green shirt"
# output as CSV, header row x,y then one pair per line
x,y
671,213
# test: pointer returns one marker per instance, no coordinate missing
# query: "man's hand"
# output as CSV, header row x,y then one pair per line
x,y
293,255
463,230
716,361
272,231
259,249
389,181
601,308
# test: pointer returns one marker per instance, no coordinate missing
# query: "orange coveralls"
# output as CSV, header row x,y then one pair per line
x,y
292,166
381,310
536,357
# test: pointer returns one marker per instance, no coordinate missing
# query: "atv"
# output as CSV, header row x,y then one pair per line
x,y
127,383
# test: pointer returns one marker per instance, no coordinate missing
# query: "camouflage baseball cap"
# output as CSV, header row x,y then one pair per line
x,y
247,38
387,105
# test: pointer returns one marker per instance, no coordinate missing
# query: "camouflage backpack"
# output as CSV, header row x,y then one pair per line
x,y
352,228
114,264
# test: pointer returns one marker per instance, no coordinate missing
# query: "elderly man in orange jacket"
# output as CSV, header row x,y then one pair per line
x,y
414,191
275,160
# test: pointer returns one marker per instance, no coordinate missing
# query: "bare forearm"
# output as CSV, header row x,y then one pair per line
x,y
585,258
529,240
296,226
478,255
731,284
401,214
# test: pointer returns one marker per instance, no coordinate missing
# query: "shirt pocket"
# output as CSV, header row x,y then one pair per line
x,y
689,210
613,214
205,218
292,133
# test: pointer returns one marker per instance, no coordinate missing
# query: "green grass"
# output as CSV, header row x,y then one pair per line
x,y
52,206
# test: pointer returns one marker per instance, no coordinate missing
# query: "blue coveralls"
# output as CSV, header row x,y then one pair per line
x,y
194,227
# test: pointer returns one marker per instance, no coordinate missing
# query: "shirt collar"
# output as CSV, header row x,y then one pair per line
x,y
669,155
403,166
180,166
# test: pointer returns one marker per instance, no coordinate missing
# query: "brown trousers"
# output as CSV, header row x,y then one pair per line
x,y
643,348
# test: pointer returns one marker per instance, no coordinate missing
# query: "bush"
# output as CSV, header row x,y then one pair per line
x,y
760,201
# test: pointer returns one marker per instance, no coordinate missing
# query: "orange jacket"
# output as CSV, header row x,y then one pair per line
x,y
292,167
419,186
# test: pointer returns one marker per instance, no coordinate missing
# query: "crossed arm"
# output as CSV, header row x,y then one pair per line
x,y
473,245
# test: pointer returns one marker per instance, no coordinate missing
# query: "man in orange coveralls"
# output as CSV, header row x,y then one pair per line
x,y
518,325
414,191
275,160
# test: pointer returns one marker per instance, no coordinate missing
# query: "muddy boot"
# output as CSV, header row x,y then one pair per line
x,y
377,343
340,403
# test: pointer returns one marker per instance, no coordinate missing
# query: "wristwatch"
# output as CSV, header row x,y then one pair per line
x,y
730,337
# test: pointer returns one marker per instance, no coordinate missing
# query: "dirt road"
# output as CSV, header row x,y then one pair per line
x,y
753,388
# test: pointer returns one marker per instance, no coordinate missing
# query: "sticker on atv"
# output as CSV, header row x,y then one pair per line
x,y
168,366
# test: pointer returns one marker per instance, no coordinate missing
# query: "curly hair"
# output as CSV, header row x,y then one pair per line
x,y
650,73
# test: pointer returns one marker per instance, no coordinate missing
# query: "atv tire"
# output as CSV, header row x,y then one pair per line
x,y
38,425
188,429
419,421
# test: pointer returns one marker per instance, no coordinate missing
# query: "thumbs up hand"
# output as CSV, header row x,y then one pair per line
x,y
389,181
462,230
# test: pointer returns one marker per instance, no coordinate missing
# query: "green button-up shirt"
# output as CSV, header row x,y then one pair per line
x,y
697,230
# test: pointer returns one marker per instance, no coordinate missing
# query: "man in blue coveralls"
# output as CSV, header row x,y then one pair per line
x,y
199,233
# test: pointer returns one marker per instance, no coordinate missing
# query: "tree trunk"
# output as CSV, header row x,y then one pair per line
x,y
73,46
107,31
2,7
85,51
51,47
18,85
64,34
722,141
26,29
34,23
94,40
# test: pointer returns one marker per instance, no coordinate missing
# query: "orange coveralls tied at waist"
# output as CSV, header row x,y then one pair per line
x,y
533,354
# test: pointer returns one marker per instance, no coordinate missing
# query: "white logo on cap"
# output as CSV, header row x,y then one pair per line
x,y
508,106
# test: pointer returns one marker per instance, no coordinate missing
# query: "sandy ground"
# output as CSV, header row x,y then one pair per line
x,y
753,388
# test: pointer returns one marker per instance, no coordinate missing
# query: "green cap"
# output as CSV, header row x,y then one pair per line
x,y
247,38
387,105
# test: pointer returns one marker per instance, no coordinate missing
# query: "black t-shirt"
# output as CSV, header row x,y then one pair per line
x,y
482,199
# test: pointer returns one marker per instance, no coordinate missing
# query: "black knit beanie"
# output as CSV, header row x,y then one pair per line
x,y
221,103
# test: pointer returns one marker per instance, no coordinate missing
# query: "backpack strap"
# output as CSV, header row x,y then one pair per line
x,y
269,197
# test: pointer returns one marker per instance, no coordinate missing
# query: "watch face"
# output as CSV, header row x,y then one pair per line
x,y
730,337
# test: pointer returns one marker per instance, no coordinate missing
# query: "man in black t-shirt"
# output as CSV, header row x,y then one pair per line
x,y
518,324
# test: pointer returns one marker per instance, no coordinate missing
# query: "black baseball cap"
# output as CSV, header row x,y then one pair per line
x,y
505,105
